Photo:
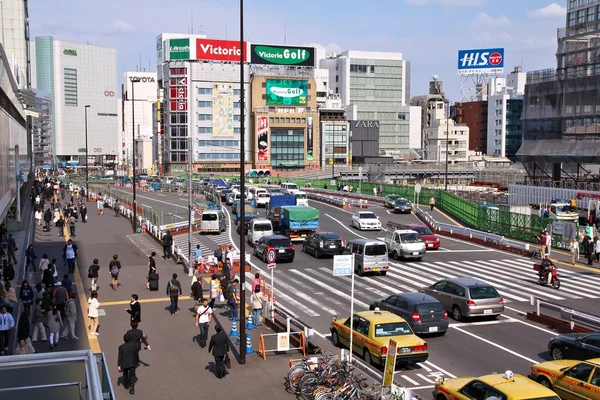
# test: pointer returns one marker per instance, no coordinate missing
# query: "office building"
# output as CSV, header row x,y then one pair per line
x,y
444,138
561,106
335,133
76,75
14,30
475,115
378,83
41,130
431,108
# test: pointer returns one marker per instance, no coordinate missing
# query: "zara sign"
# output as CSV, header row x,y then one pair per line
x,y
366,124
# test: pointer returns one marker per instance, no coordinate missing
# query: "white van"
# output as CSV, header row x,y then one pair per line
x,y
301,199
289,188
369,256
235,188
262,198
212,221
258,228
251,192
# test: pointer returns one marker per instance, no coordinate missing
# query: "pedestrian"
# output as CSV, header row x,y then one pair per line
x,y
197,254
55,322
167,243
72,220
597,249
196,290
215,289
152,284
47,219
12,249
234,300
67,283
30,257
203,320
70,318
26,295
375,191
151,263
38,291
257,300
69,255
22,348
56,214
138,337
226,273
59,298
9,271
432,203
38,217
3,233
10,296
48,276
116,207
24,331
38,321
219,345
7,322
127,362
114,268
174,291
100,205
60,225
134,310
43,264
83,212
93,273
93,305
256,281
591,254
544,242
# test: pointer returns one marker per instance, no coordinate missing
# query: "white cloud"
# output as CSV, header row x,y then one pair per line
x,y
484,19
446,3
329,47
497,39
118,26
553,10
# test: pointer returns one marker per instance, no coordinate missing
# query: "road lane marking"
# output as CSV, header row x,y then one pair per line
x,y
425,378
153,199
333,290
337,208
421,387
409,379
346,228
440,369
539,328
425,367
505,349
480,323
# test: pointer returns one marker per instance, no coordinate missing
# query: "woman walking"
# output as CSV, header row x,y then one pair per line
x,y
24,331
54,324
215,290
38,216
26,295
574,250
38,322
115,268
257,304
30,257
93,273
93,305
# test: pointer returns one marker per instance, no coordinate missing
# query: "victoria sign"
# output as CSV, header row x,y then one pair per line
x,y
481,61
219,50
287,92
282,55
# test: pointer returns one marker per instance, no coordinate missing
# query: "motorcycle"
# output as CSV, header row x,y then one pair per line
x,y
549,277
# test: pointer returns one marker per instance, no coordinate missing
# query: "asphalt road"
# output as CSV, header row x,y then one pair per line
x,y
307,288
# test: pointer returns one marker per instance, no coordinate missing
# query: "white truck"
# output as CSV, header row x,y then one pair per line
x,y
404,243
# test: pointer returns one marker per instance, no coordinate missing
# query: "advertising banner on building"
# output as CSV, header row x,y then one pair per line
x,y
222,109
309,139
262,139
219,50
481,61
282,55
287,92
179,49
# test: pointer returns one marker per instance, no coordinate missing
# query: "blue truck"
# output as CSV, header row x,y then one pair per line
x,y
298,222
274,207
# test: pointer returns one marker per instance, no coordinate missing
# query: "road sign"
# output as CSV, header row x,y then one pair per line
x,y
271,265
342,265
332,182
418,188
271,256
390,363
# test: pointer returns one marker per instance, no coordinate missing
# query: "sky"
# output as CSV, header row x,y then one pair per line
x,y
428,33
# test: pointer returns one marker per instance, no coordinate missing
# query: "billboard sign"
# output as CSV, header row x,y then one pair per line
x,y
481,61
222,109
262,139
287,92
179,49
282,55
309,139
219,50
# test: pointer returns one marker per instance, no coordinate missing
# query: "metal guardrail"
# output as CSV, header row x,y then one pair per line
x,y
567,314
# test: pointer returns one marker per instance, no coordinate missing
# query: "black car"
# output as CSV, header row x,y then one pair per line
x,y
281,245
575,346
402,206
424,314
224,194
323,243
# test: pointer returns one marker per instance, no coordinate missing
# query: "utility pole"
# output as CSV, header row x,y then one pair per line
x,y
87,175
190,203
242,211
134,155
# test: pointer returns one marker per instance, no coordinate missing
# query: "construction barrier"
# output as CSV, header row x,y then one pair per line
x,y
283,343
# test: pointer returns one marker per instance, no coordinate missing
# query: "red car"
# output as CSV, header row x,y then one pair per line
x,y
432,242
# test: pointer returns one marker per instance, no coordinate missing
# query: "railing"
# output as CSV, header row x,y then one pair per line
x,y
567,315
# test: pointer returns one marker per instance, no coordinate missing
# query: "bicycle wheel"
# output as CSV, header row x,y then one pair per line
x,y
323,395
294,370
295,378
308,384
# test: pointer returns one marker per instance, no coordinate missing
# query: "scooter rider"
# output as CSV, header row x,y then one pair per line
x,y
547,266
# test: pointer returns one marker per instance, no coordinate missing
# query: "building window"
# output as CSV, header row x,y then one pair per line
x,y
591,13
572,3
205,104
178,118
204,129
204,91
236,104
402,116
580,16
287,148
70,86
236,92
218,156
264,84
236,117
236,131
205,117
178,71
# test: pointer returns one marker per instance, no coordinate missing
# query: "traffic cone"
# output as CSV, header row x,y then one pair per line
x,y
234,329
249,323
248,344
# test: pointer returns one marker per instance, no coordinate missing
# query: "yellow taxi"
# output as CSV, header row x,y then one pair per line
x,y
507,386
570,379
372,332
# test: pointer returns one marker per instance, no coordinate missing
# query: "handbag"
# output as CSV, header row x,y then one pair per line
x,y
227,361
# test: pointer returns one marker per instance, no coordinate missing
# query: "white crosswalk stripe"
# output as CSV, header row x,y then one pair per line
x,y
181,241
145,243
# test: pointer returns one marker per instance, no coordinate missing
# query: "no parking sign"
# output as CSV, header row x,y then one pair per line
x,y
271,256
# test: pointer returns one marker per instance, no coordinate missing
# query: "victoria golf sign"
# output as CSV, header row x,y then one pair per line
x,y
282,55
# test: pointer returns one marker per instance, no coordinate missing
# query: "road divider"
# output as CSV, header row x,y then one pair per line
x,y
558,316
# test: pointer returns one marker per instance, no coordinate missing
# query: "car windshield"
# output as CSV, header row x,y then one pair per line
x,y
292,186
275,190
375,250
209,217
263,195
483,292
402,202
410,238
367,216
423,230
392,329
425,308
262,227
301,196
281,242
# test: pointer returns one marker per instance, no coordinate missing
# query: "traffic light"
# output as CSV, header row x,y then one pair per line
x,y
258,173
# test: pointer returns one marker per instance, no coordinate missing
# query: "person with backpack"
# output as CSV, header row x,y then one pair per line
x,y
115,268
152,284
93,273
233,301
174,291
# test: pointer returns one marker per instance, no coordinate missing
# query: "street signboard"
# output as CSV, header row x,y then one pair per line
x,y
283,341
418,188
271,265
390,363
271,256
342,265
332,182
481,61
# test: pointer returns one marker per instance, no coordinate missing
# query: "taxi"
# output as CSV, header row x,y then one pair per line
x,y
372,332
570,379
507,386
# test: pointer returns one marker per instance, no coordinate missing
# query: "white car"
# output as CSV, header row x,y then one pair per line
x,y
366,220
262,199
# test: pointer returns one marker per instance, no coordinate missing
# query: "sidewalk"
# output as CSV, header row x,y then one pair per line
x,y
176,366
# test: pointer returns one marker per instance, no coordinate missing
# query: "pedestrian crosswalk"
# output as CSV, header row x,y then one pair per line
x,y
208,243
145,243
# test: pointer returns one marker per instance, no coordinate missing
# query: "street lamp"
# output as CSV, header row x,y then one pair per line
x,y
242,221
447,140
134,155
87,167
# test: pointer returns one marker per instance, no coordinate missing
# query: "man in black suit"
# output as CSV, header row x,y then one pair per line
x,y
135,310
127,362
137,336
219,345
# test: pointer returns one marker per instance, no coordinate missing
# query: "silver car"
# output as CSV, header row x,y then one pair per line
x,y
467,298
